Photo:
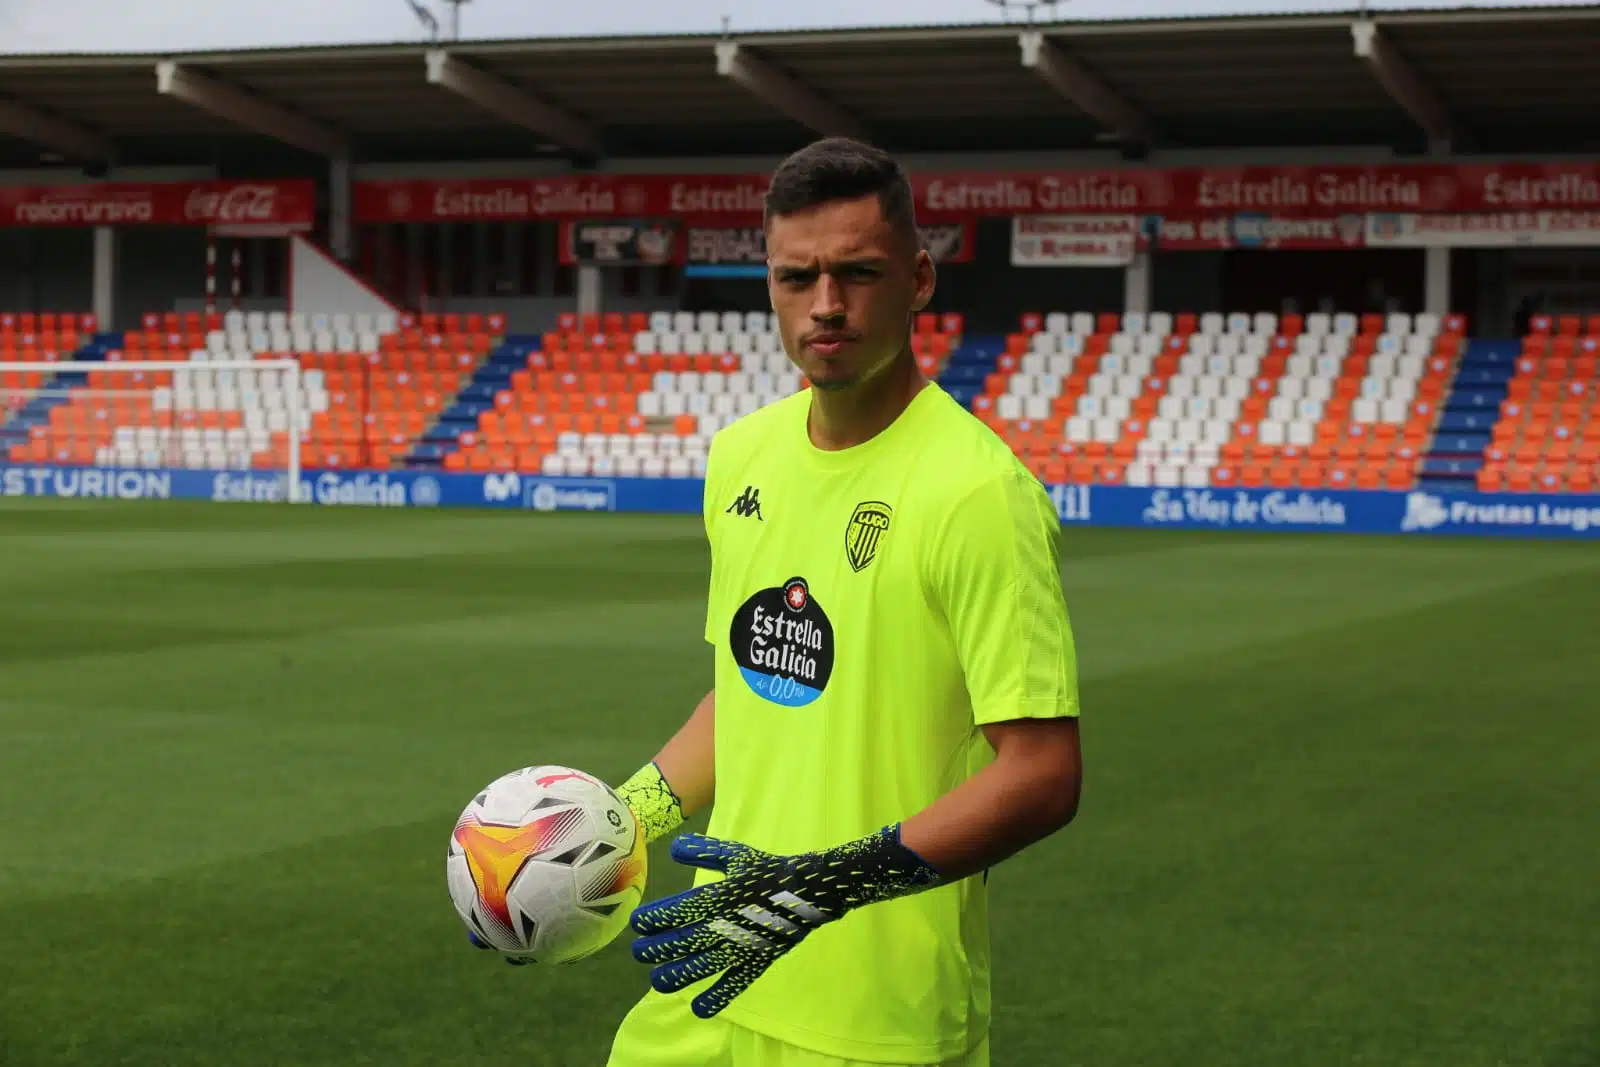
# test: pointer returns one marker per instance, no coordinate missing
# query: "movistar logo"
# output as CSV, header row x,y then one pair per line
x,y
747,504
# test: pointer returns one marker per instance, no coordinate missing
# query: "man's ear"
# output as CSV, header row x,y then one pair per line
x,y
927,277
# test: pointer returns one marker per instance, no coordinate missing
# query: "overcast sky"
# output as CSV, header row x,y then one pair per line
x,y
178,25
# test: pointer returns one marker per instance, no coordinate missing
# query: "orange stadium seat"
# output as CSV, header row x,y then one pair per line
x,y
1547,436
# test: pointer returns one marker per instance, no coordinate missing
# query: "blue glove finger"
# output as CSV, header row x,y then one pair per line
x,y
680,974
675,944
698,850
669,913
730,985
475,941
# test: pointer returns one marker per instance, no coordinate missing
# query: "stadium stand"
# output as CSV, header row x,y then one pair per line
x,y
1173,400
1545,434
371,387
632,395
1341,401
28,396
1165,400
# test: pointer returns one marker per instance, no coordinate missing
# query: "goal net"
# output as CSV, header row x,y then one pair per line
x,y
198,414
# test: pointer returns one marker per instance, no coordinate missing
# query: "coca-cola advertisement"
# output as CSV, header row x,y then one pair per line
x,y
241,207
264,206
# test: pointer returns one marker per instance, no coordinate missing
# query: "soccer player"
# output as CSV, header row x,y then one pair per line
x,y
895,701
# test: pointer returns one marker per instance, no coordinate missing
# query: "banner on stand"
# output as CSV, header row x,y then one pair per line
x,y
620,242
1504,229
1074,240
275,206
1256,230
1180,192
946,242
1414,513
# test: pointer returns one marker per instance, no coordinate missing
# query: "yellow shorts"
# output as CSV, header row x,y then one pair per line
x,y
661,1031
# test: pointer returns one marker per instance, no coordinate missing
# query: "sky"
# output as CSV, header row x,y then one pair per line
x,y
32,26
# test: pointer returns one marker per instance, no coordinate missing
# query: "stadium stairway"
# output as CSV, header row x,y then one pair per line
x,y
18,428
969,367
1466,421
475,398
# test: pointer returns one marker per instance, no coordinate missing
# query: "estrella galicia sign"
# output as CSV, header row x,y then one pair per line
x,y
783,643
866,529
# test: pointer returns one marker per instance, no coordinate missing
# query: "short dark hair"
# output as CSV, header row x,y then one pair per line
x,y
840,168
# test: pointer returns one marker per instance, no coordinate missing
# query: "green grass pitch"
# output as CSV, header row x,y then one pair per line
x,y
1342,802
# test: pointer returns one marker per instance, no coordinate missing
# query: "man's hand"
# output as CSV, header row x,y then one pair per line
x,y
766,905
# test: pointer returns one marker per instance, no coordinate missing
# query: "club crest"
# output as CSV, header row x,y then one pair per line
x,y
865,532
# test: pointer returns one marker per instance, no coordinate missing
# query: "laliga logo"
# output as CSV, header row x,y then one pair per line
x,y
242,203
425,492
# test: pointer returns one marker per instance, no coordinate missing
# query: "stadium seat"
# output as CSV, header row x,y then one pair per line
x,y
1223,399
370,386
33,337
1547,435
642,396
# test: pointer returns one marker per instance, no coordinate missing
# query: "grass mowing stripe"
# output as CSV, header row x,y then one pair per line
x,y
1338,810
1276,864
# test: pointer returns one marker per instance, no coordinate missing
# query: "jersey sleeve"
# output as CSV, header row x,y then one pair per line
x,y
996,574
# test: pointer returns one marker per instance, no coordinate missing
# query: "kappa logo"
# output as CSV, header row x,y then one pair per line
x,y
747,504
864,533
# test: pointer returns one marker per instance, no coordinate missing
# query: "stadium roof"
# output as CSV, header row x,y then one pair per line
x,y
1495,81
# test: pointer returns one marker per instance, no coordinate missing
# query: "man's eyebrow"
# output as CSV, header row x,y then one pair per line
x,y
865,260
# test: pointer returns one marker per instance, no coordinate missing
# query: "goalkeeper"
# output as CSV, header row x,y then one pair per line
x,y
895,700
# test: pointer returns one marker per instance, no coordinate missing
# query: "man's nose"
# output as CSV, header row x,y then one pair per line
x,y
827,300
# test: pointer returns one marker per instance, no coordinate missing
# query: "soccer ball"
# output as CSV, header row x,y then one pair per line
x,y
546,865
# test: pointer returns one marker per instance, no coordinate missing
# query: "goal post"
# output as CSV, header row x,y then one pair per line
x,y
198,414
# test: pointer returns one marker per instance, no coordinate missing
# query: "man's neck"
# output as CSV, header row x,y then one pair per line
x,y
850,417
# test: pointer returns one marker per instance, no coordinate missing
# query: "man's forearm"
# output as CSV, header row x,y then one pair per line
x,y
1028,793
688,759
682,777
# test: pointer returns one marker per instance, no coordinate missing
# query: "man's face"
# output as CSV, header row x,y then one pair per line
x,y
844,285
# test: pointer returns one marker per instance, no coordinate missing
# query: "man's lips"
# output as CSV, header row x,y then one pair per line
x,y
829,344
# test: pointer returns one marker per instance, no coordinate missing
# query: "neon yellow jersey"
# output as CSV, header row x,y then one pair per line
x,y
871,608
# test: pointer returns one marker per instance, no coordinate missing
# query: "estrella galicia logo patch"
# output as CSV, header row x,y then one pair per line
x,y
783,643
865,530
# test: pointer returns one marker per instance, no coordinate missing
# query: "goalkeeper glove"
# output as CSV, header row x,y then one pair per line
x,y
740,925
